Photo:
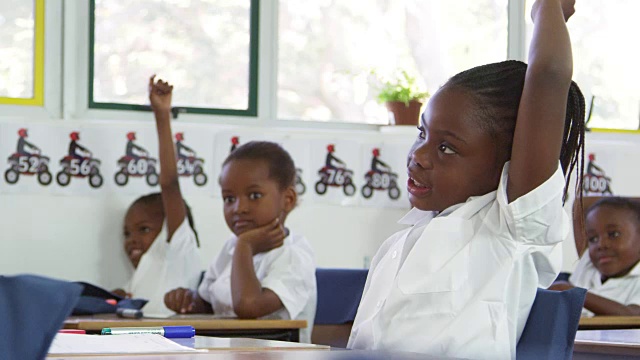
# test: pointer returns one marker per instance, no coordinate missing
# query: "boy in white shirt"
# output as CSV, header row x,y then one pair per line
x,y
610,271
264,271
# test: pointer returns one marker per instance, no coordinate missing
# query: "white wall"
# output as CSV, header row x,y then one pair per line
x,y
79,238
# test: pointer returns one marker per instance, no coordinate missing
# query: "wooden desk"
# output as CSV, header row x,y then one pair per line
x,y
609,322
610,344
206,325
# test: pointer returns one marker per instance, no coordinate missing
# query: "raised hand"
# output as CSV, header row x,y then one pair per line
x,y
568,8
160,93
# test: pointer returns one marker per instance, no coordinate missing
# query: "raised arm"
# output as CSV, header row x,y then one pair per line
x,y
541,115
174,209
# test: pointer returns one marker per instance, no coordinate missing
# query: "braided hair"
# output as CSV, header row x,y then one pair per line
x,y
155,200
496,90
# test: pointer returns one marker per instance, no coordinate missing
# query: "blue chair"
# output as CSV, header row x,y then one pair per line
x,y
563,276
552,324
33,309
339,293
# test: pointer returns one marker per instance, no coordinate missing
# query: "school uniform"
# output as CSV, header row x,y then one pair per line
x,y
289,271
625,289
461,284
166,266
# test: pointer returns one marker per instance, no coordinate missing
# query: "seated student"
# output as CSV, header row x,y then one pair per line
x,y
265,270
487,185
610,270
159,236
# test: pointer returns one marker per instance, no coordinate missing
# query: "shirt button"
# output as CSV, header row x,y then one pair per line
x,y
379,303
395,253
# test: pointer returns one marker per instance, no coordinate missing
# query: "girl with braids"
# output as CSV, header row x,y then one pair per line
x,y
159,235
488,174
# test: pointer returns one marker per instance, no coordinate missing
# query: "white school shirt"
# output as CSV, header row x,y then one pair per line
x,y
166,266
289,271
466,285
625,289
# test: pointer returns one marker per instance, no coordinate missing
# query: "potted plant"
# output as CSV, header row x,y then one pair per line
x,y
403,99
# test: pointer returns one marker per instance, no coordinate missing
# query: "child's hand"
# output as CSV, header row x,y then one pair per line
x,y
568,8
264,238
160,95
123,294
181,300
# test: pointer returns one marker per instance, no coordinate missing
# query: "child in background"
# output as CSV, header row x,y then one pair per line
x,y
158,229
488,219
610,271
264,270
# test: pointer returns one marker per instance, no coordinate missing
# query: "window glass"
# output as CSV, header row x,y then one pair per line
x,y
203,47
604,36
327,50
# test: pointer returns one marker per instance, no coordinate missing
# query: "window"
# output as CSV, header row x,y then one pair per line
x,y
605,57
327,49
207,48
21,52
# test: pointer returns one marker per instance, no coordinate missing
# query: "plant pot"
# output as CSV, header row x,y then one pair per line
x,y
401,114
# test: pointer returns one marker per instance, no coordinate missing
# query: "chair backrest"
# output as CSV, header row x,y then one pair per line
x,y
339,293
33,309
552,324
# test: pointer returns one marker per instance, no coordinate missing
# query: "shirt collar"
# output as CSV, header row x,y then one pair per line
x,y
468,208
416,215
635,271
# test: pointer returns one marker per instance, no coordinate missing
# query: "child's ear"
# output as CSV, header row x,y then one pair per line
x,y
290,199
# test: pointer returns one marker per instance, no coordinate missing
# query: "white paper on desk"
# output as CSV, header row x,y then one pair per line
x,y
114,344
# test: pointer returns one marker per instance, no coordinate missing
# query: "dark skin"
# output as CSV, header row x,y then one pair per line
x,y
453,158
255,208
142,224
613,237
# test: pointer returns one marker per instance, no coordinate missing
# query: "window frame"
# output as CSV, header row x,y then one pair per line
x,y
38,60
66,94
252,101
47,103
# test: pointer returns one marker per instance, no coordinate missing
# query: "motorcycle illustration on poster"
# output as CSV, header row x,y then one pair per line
x,y
595,182
136,163
335,174
381,178
189,164
27,160
80,163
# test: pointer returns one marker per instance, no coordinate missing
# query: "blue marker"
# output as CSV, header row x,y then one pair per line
x,y
166,331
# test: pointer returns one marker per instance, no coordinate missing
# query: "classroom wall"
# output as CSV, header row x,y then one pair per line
x,y
78,237
57,232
